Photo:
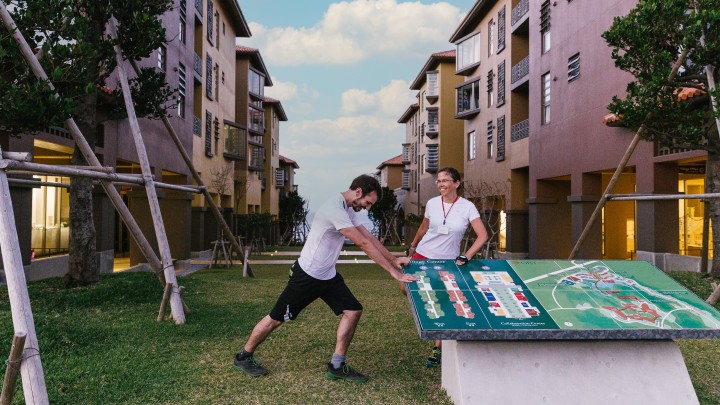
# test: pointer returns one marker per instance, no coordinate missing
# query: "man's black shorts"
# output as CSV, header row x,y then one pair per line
x,y
303,289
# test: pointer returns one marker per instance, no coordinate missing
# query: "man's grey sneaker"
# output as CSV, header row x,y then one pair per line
x,y
435,358
344,372
249,366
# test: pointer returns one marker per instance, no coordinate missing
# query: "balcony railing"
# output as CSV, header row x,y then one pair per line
x,y
199,7
520,130
406,153
520,70
406,180
432,129
197,67
519,11
431,160
197,125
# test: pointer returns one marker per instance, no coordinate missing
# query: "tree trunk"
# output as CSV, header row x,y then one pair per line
x,y
713,204
82,261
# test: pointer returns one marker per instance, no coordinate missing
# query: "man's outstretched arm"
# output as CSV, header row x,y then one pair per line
x,y
375,253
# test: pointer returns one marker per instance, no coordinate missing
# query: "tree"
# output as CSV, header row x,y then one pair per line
x,y
384,215
293,218
489,198
73,48
646,43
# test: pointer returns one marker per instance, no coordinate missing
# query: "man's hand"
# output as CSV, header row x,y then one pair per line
x,y
402,261
405,278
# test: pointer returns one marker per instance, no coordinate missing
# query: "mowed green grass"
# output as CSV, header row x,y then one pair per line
x,y
102,345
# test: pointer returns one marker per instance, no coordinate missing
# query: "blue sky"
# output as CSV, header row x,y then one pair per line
x,y
342,70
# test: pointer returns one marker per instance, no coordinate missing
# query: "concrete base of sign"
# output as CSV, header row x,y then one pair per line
x,y
566,372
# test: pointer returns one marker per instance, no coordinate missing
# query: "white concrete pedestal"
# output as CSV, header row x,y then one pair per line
x,y
566,372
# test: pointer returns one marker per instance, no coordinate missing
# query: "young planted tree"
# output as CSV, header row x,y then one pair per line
x,y
646,43
384,215
74,49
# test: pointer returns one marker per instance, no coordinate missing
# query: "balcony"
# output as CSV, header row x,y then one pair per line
x,y
520,73
197,68
199,7
431,159
197,125
519,13
406,180
520,130
432,131
406,154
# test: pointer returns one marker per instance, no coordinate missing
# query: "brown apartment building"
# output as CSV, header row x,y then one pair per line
x,y
433,135
275,178
573,153
492,101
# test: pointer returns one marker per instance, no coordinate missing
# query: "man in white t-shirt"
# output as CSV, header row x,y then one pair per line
x,y
314,276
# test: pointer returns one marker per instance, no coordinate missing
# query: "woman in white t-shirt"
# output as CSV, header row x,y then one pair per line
x,y
440,234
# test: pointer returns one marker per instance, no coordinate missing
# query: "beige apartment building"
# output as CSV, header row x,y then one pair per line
x,y
434,138
492,101
215,125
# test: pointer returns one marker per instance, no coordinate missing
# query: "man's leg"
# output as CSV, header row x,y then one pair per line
x,y
260,332
245,361
346,330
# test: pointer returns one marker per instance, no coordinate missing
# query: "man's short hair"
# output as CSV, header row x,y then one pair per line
x,y
367,184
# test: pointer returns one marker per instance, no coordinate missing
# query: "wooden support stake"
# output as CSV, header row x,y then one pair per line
x,y
165,298
182,298
13,368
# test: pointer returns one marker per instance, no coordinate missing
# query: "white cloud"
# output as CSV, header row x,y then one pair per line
x,y
390,101
296,99
358,30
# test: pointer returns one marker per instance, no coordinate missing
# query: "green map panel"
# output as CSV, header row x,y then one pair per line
x,y
554,299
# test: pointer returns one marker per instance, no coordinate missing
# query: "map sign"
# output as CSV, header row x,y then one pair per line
x,y
554,299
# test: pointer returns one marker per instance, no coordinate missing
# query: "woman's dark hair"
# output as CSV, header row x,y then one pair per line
x,y
452,172
367,184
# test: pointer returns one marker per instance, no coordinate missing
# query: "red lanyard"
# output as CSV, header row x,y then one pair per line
x,y
443,207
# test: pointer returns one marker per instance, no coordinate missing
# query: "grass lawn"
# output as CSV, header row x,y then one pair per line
x,y
101,344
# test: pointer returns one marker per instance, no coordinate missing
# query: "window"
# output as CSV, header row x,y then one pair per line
x,y
256,83
471,145
182,30
217,82
235,140
574,67
257,119
468,97
432,83
490,95
500,139
162,58
217,30
489,140
545,25
468,52
181,91
491,37
501,29
545,108
208,134
210,24
432,120
279,177
208,76
501,84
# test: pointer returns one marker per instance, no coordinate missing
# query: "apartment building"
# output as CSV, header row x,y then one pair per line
x,y
390,172
433,135
252,78
573,153
275,179
217,130
492,102
287,166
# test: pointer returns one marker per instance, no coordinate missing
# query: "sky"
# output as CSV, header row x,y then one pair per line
x,y
342,71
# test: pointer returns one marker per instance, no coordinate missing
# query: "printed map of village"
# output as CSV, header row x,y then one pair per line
x,y
493,295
